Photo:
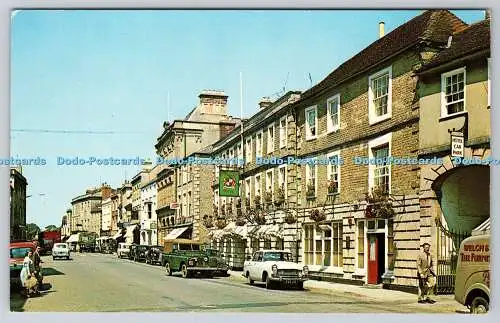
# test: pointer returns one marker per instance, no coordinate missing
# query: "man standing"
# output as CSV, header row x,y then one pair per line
x,y
36,264
426,275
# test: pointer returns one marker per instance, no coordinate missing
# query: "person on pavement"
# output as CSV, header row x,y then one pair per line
x,y
36,264
426,275
27,276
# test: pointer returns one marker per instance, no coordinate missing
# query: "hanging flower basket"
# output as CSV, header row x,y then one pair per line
x,y
290,219
240,221
260,219
379,204
317,215
332,188
311,192
207,222
220,223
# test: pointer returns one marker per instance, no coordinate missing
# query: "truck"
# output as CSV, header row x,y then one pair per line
x,y
46,240
472,282
189,258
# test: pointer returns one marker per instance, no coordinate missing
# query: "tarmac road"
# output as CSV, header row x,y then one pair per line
x,y
104,283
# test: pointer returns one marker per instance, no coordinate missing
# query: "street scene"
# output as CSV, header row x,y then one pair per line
x,y
186,169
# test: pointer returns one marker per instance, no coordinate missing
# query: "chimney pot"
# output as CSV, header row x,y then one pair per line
x,y
381,29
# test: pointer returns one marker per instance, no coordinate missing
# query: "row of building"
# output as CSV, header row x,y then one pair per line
x,y
361,218
18,184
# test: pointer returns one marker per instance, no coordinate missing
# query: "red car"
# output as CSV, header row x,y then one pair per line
x,y
18,251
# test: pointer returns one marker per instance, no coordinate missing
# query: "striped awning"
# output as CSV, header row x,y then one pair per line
x,y
483,228
74,238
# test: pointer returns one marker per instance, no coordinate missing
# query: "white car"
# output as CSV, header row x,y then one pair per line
x,y
123,250
274,267
60,250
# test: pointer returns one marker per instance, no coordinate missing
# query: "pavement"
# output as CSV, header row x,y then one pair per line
x,y
104,283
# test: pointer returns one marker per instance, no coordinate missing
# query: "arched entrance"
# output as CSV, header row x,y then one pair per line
x,y
454,200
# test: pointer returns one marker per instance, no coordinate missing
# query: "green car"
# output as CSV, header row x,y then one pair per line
x,y
221,262
185,256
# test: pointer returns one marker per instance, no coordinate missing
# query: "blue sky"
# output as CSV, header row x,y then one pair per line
x,y
112,71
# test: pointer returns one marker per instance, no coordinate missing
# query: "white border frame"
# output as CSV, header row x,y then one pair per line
x,y
372,118
444,112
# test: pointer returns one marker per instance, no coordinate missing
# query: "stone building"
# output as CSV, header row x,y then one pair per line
x,y
65,225
205,124
137,183
86,210
18,185
349,205
455,102
166,193
106,217
147,216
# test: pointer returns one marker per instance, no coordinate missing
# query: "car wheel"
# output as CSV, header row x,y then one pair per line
x,y
184,271
67,258
53,258
269,283
300,285
168,270
479,305
250,280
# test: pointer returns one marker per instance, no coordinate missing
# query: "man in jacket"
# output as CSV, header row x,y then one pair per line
x,y
426,275
36,264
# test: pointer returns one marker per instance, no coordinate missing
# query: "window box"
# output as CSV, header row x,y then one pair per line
x,y
290,219
379,204
332,188
317,215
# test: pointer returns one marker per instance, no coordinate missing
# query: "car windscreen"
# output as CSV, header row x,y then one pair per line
x,y
19,252
277,256
62,246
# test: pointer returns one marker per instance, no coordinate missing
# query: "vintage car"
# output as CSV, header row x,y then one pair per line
x,y
140,253
18,251
60,250
186,256
222,264
123,250
154,254
274,267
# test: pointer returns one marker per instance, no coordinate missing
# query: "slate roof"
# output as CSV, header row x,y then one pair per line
x,y
473,39
433,26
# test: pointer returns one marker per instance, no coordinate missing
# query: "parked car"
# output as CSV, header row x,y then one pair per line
x,y
189,262
154,255
472,282
18,251
222,265
123,250
60,250
274,267
140,252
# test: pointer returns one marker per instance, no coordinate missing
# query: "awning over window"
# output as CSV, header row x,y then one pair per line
x,y
175,233
269,230
74,238
484,228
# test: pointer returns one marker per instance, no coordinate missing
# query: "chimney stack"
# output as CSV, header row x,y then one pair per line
x,y
265,102
381,29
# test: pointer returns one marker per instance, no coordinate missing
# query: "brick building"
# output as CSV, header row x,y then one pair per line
x,y
352,209
18,185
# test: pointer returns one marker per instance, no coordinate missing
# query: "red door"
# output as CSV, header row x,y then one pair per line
x,y
372,259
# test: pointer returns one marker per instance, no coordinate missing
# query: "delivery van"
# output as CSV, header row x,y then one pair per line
x,y
472,282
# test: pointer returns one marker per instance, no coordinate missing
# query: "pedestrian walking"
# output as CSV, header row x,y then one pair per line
x,y
426,275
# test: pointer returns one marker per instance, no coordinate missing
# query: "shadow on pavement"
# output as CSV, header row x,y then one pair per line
x,y
51,272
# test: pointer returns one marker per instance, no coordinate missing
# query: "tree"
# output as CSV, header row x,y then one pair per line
x,y
32,231
51,228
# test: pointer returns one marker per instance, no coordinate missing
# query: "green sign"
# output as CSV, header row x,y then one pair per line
x,y
229,183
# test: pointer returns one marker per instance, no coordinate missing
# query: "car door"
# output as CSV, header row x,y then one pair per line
x,y
254,268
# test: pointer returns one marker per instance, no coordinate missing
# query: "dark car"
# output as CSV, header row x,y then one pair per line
x,y
133,249
154,254
222,265
140,252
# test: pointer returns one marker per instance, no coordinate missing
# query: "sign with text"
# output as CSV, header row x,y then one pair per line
x,y
457,145
229,183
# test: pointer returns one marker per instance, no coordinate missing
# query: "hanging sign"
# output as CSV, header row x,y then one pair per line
x,y
229,183
457,144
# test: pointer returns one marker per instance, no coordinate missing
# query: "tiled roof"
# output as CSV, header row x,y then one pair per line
x,y
473,39
433,25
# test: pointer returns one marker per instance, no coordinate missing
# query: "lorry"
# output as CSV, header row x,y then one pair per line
x,y
472,282
189,258
47,239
